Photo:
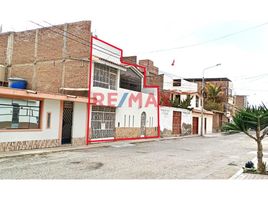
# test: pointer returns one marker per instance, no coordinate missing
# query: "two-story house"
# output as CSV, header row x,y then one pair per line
x,y
63,89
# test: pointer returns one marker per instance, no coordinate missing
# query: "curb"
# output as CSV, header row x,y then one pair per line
x,y
73,148
237,174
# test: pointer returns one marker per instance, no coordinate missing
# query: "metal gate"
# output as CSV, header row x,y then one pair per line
x,y
67,122
102,122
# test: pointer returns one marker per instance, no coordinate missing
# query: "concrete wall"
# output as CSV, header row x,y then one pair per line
x,y
79,120
51,106
209,122
166,120
135,110
47,137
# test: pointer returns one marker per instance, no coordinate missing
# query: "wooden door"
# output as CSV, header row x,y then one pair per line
x,y
195,125
176,125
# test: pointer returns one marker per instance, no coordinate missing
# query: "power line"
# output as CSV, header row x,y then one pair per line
x,y
211,40
88,45
80,38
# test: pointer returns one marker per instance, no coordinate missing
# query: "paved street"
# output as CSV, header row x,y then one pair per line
x,y
188,158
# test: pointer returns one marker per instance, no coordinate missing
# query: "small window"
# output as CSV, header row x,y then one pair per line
x,y
133,121
125,120
48,120
129,121
196,101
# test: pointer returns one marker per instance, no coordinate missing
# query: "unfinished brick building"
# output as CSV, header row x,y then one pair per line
x,y
52,59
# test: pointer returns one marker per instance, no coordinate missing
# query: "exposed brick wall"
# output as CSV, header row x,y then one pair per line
x,y
23,47
130,59
149,65
3,48
50,44
240,101
74,70
23,71
48,76
50,60
156,80
81,30
224,85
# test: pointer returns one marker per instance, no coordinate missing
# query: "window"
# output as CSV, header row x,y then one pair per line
x,y
177,82
230,92
19,114
129,121
102,122
48,120
196,101
104,76
133,121
130,80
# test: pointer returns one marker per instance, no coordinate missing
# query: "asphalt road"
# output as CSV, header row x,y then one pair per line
x,y
217,157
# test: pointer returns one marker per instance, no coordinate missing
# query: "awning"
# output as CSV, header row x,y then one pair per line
x,y
30,94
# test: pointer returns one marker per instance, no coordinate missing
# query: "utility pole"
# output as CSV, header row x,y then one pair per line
x,y
202,96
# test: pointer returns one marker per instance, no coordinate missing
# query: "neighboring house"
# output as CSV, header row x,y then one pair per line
x,y
31,119
240,102
226,85
53,109
178,121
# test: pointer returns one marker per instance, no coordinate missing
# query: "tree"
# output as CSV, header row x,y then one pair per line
x,y
186,103
213,97
252,119
214,93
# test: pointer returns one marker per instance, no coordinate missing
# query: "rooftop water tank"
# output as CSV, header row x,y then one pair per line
x,y
18,83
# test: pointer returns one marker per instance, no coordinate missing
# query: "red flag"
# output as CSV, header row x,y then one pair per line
x,y
173,63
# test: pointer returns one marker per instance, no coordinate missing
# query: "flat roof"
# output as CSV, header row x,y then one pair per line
x,y
208,79
30,94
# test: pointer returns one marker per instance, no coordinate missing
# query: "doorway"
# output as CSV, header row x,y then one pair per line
x,y
67,122
176,124
143,123
195,125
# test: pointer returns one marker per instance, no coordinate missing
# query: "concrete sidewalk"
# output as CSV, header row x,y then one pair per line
x,y
73,148
248,176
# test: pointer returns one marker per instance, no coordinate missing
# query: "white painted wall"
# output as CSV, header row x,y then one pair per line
x,y
166,117
52,106
168,82
209,123
106,49
79,120
186,86
125,111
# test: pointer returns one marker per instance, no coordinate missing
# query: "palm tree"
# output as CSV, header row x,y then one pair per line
x,y
213,97
213,93
252,119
